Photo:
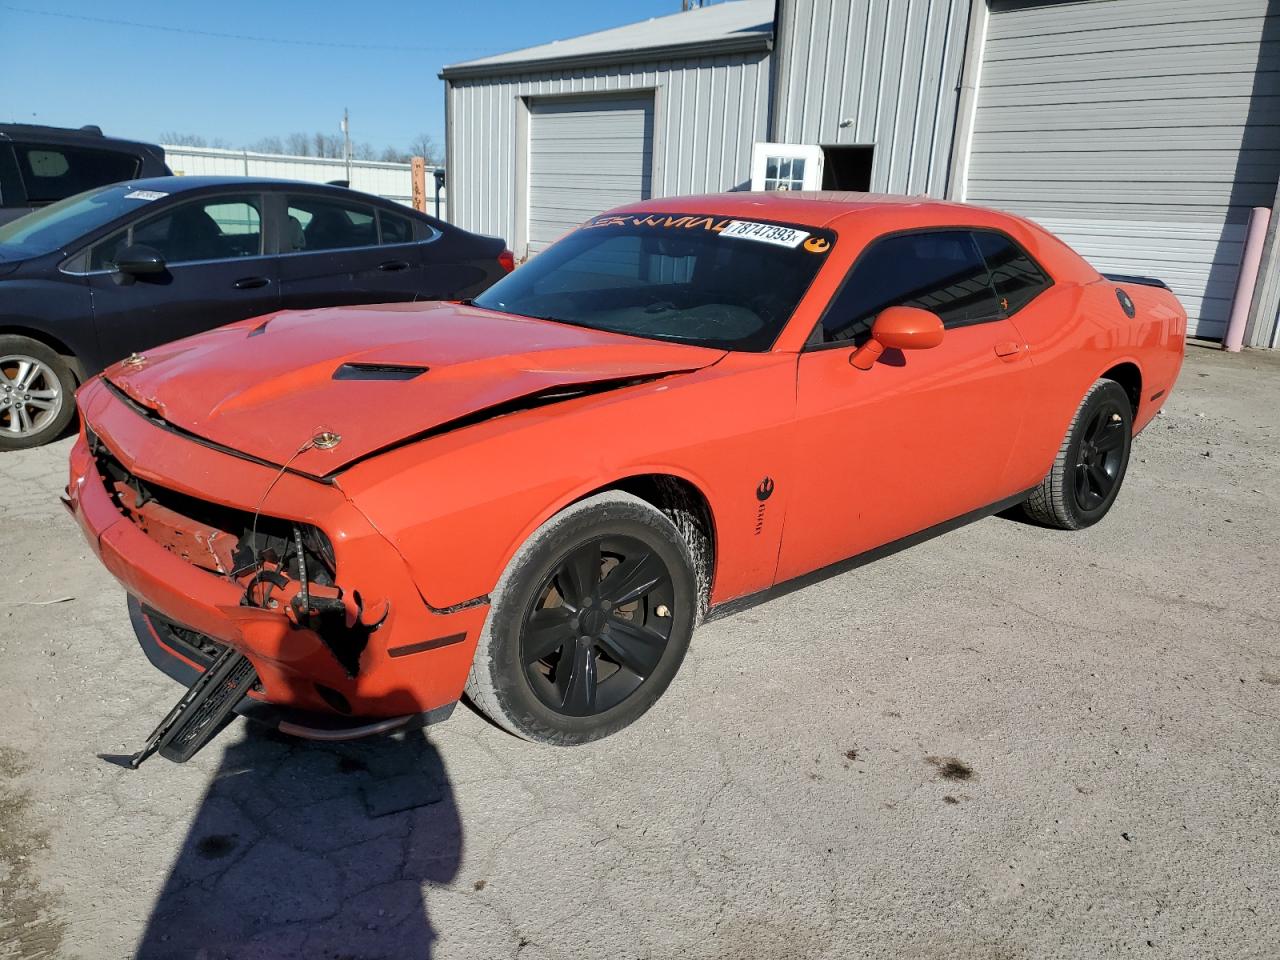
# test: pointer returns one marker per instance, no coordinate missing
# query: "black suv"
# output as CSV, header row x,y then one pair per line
x,y
40,165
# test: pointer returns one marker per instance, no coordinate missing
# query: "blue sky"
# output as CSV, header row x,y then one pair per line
x,y
139,82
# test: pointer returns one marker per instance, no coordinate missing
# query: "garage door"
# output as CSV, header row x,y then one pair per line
x,y
585,155
1141,131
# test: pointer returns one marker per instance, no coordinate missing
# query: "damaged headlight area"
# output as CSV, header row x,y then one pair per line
x,y
279,565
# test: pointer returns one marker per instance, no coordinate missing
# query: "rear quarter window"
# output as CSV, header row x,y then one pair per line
x,y
11,192
52,172
1016,277
395,228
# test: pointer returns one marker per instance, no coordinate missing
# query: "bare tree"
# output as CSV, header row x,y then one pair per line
x,y
268,145
298,144
175,139
318,144
326,144
424,145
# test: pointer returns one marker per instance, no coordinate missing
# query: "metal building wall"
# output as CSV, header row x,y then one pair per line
x,y
708,112
889,67
1141,131
394,181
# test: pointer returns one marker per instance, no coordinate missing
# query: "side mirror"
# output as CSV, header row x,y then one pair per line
x,y
138,260
898,328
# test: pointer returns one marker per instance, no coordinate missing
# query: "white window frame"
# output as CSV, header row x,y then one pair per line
x,y
784,156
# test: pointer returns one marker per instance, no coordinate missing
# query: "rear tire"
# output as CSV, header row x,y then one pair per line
x,y
589,623
1091,463
37,393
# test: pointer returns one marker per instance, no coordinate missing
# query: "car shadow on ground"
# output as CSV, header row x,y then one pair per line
x,y
310,850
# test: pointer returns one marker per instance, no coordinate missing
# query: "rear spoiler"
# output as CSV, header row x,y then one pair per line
x,y
1144,281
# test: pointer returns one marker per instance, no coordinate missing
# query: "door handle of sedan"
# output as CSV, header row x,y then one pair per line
x,y
1008,351
250,283
393,265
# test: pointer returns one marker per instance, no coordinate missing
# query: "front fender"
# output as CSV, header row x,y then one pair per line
x,y
458,506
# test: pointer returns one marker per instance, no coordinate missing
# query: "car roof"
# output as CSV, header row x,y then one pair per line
x,y
177,184
873,214
88,136
815,208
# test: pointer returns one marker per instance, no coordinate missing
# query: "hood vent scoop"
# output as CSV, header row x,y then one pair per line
x,y
378,371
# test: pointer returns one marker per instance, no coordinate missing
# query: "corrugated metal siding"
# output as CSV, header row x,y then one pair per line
x,y
585,155
394,181
707,113
891,67
1140,131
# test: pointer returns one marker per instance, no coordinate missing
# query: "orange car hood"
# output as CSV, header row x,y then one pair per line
x,y
265,387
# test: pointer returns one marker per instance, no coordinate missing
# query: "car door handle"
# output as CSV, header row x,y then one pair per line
x,y
393,265
1008,351
250,283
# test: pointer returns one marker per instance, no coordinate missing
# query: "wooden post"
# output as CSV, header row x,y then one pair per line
x,y
420,184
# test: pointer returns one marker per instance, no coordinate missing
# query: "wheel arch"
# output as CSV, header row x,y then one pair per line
x,y
677,495
1128,374
50,341
688,507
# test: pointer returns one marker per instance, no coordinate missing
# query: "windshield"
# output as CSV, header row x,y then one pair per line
x,y
63,223
705,280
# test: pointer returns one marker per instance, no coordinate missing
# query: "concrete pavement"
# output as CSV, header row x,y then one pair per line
x,y
1005,743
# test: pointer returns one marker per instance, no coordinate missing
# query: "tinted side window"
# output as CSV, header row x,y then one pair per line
x,y
11,192
54,172
319,223
218,228
940,271
1014,274
395,229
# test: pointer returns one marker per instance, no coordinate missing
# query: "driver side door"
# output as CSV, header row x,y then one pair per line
x,y
215,273
922,437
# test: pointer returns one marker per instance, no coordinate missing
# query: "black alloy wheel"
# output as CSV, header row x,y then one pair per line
x,y
1100,456
589,623
1091,463
598,626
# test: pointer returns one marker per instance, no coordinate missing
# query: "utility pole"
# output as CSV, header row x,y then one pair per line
x,y
346,142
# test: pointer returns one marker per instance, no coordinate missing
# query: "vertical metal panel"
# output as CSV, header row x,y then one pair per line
x,y
394,181
880,72
707,113
1142,132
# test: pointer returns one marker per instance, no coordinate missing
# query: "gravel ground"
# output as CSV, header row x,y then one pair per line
x,y
1005,743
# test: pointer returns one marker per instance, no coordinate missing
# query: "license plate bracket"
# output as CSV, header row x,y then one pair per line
x,y
202,712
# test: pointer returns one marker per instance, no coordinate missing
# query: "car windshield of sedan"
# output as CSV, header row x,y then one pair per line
x,y
712,281
63,223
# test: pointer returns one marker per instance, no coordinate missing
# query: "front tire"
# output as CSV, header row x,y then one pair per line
x,y
1091,464
37,393
589,623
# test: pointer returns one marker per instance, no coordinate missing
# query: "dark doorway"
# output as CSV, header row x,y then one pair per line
x,y
847,168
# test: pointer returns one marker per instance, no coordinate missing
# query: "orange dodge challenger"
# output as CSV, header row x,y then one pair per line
x,y
339,520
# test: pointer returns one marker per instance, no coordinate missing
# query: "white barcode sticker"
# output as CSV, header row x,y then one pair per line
x,y
145,195
765,233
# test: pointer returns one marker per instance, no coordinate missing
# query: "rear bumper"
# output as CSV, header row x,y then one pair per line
x,y
400,675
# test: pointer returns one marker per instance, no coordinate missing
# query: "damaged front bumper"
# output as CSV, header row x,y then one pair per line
x,y
353,651
183,655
